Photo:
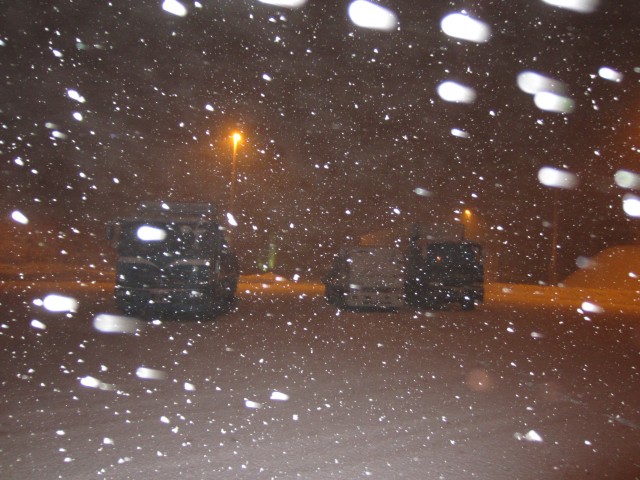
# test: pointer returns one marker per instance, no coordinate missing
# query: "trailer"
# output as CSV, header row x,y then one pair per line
x,y
366,277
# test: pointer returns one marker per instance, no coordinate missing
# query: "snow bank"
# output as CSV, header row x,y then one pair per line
x,y
616,268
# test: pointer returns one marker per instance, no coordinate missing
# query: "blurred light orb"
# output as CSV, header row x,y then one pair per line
x,y
369,15
60,303
582,6
423,192
74,95
279,396
552,102
150,373
456,132
285,3
38,324
610,74
631,205
461,26
19,217
554,177
591,307
627,179
174,7
231,219
533,82
455,92
108,323
147,233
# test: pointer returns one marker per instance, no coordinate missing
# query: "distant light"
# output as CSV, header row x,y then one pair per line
x,y
466,28
60,303
147,233
552,102
554,177
631,205
627,179
19,217
285,3
369,15
174,7
456,132
610,74
533,82
582,6
456,92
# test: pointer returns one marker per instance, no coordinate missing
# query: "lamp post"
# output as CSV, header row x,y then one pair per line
x,y
553,260
236,137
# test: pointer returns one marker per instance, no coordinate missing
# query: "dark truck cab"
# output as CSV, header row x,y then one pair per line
x,y
448,272
173,257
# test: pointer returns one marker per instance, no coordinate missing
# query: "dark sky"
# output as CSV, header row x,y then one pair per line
x,y
336,118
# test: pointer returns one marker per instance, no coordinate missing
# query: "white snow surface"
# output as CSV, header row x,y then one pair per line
x,y
286,386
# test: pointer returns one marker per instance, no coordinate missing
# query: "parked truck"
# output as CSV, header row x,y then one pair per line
x,y
366,277
173,256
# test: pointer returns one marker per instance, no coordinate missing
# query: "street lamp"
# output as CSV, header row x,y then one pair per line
x,y
466,223
236,137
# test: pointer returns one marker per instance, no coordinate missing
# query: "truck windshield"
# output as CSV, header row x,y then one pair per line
x,y
451,254
167,238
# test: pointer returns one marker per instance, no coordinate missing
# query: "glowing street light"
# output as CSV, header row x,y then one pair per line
x,y
466,223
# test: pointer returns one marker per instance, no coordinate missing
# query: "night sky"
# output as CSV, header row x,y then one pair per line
x,y
341,123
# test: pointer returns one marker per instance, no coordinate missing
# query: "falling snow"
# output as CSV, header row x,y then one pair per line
x,y
308,129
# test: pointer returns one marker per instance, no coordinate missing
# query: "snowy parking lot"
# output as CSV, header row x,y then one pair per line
x,y
286,386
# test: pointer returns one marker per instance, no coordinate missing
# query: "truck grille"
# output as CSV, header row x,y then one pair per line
x,y
146,274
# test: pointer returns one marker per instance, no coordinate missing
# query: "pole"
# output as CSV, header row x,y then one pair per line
x,y
234,174
553,260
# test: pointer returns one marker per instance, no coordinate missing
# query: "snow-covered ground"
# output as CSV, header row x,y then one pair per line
x,y
287,386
